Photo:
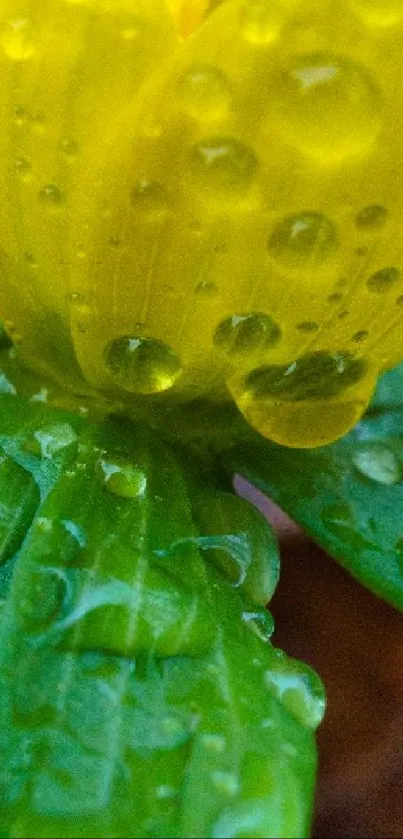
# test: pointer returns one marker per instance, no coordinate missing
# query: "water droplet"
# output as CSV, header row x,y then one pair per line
x,y
247,333
49,441
223,164
382,280
30,259
214,743
69,148
260,622
204,92
329,107
18,39
165,792
19,115
52,197
261,20
335,298
399,300
371,218
378,12
142,365
121,477
318,375
23,168
149,197
307,326
225,782
47,593
378,463
360,336
115,242
298,688
303,240
206,289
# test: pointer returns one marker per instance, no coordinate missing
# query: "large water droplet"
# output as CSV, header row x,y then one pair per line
x,y
223,164
383,280
142,365
49,441
247,333
121,477
303,240
298,688
18,39
260,622
318,375
378,463
51,197
371,218
329,106
149,197
204,92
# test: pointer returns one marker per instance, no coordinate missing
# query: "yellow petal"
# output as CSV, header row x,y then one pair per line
x,y
188,14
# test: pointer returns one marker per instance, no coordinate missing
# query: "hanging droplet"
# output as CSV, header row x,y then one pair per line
x,y
247,333
303,240
204,92
298,688
142,365
260,622
378,463
18,39
318,375
121,477
328,106
223,164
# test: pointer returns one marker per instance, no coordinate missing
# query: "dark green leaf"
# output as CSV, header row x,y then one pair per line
x,y
348,496
139,691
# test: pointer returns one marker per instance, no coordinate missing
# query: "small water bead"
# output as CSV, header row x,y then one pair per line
x,y
18,39
298,688
51,197
223,164
51,440
378,463
19,115
142,365
360,336
329,106
149,197
225,782
121,478
318,375
260,622
214,743
303,240
69,148
164,792
247,333
307,326
204,92
47,593
382,280
22,168
206,289
371,218
335,297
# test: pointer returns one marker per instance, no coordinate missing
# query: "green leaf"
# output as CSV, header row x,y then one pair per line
x,y
389,391
348,496
139,692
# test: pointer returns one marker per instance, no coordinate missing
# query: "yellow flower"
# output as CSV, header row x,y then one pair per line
x,y
204,215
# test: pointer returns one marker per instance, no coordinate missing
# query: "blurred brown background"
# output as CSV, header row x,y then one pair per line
x,y
355,642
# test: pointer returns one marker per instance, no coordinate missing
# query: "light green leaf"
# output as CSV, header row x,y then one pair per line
x,y
139,692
